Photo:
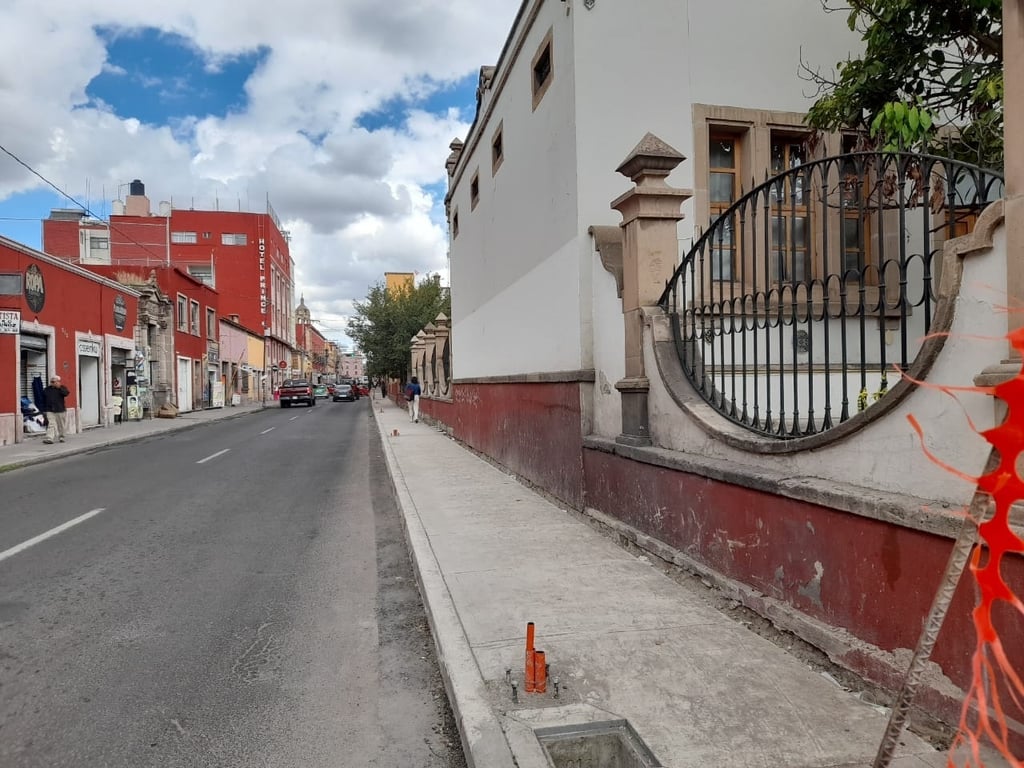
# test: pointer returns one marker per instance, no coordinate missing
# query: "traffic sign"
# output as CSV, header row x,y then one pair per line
x,y
282,365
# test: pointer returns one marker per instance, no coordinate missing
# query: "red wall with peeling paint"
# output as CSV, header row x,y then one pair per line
x,y
872,578
533,429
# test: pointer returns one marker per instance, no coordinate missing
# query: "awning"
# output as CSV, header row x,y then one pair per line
x,y
28,341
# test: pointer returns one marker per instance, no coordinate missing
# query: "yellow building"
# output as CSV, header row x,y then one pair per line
x,y
399,281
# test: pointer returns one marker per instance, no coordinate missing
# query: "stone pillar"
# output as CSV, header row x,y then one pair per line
x,y
441,334
650,214
429,384
418,347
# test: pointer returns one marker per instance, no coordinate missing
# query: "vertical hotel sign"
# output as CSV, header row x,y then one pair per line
x,y
263,277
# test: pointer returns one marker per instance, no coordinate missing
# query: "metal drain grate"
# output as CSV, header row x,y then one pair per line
x,y
608,744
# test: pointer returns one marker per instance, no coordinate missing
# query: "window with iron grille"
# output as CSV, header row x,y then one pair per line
x,y
183,238
228,238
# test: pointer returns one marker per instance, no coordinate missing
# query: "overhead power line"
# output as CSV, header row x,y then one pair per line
x,y
85,208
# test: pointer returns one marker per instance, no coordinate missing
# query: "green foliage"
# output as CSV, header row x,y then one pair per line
x,y
930,78
385,323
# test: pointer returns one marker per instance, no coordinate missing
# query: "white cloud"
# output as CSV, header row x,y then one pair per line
x,y
353,199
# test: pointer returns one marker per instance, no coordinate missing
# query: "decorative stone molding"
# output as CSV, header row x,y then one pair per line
x,y
608,243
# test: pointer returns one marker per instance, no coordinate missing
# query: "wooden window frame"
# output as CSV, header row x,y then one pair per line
x,y
474,190
497,149
545,49
716,209
182,310
784,273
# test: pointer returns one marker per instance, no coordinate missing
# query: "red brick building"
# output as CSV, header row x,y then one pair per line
x,y
244,256
196,374
60,319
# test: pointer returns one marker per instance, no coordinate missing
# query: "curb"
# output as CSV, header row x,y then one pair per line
x,y
85,451
483,740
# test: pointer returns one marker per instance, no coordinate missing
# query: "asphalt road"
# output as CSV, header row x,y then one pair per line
x,y
244,598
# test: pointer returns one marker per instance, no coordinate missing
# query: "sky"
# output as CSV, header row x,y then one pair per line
x,y
338,111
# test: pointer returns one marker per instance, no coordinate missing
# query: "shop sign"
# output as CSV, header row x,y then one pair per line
x,y
10,321
89,348
263,277
120,312
35,290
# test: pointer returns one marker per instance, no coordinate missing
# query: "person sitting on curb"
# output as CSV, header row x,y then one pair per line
x,y
55,410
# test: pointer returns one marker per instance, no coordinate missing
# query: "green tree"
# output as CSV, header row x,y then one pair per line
x,y
930,77
386,321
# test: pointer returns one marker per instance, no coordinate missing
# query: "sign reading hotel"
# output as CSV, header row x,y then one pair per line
x,y
263,277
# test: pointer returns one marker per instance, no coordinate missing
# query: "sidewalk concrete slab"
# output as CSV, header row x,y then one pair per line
x,y
625,641
34,451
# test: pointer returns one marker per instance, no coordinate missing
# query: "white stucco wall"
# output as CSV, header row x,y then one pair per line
x,y
640,72
617,74
525,327
525,216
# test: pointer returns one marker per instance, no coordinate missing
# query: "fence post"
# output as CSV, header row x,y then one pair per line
x,y
650,214
441,333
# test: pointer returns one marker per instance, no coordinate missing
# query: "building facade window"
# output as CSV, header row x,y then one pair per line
x,y
542,69
497,149
474,191
203,272
182,313
228,238
195,318
723,186
790,217
183,238
455,224
211,324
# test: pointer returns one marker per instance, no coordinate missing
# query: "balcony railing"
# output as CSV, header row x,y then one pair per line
x,y
805,300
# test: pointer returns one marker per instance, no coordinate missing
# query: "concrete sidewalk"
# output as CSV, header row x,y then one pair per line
x,y
34,451
624,640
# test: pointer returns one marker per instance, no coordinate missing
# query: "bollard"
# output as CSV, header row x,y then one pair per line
x,y
530,672
540,674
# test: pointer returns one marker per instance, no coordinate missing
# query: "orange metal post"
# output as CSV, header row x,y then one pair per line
x,y
540,672
528,682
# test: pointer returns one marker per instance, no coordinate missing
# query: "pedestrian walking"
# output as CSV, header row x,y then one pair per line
x,y
55,410
412,395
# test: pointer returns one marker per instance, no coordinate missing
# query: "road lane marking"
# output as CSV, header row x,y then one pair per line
x,y
268,430
52,532
293,418
213,456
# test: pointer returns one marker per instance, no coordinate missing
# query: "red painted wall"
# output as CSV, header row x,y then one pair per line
x,y
238,266
146,241
74,302
877,580
533,429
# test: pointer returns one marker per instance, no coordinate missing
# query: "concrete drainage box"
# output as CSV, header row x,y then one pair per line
x,y
607,744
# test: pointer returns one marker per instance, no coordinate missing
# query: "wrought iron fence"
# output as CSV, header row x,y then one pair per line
x,y
804,300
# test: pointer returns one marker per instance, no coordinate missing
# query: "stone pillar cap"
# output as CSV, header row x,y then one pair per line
x,y
651,157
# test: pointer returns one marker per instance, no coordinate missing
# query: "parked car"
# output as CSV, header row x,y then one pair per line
x,y
320,392
343,392
297,391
